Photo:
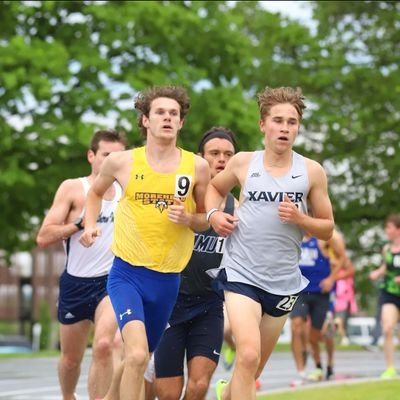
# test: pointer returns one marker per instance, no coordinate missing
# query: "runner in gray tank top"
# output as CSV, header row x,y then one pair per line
x,y
279,244
259,273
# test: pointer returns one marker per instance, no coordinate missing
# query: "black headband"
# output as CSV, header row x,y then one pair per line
x,y
213,135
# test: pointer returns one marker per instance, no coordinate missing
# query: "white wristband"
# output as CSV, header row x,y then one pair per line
x,y
210,212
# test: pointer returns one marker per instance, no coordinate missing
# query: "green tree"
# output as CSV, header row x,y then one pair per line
x,y
71,67
357,84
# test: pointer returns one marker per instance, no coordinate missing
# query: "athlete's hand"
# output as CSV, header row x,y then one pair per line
x,y
288,211
374,275
326,285
223,223
177,214
89,236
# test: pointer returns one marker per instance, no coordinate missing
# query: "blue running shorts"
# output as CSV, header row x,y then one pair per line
x,y
196,327
79,297
139,293
272,304
313,305
390,298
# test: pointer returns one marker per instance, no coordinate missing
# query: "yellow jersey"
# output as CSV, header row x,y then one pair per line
x,y
143,234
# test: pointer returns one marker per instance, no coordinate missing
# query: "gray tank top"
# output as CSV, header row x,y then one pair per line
x,y
263,251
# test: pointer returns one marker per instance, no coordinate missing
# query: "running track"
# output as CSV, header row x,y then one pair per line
x,y
36,378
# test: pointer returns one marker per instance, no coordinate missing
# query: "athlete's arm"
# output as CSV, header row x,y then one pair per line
x,y
338,246
321,223
94,197
348,270
58,224
336,243
196,221
218,189
379,272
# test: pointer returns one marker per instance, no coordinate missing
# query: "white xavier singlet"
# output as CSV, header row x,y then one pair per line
x,y
97,259
262,251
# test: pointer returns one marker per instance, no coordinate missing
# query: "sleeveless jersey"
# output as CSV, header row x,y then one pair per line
x,y
143,234
207,253
314,265
263,251
97,259
392,261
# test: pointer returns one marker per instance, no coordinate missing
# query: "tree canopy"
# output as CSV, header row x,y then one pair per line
x,y
69,68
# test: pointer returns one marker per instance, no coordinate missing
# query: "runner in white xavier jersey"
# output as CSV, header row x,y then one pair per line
x,y
259,272
83,296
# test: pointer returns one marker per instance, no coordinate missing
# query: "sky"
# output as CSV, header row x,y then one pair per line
x,y
299,10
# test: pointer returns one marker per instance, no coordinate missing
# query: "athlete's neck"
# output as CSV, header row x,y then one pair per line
x,y
395,245
275,160
277,164
163,159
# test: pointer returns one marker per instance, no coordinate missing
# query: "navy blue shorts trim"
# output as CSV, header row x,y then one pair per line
x,y
79,297
271,304
313,305
388,298
200,335
139,293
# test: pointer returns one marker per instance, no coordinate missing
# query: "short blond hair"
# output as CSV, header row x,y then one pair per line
x,y
270,97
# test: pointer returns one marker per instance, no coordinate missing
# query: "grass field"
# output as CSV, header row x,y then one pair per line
x,y
380,390
33,354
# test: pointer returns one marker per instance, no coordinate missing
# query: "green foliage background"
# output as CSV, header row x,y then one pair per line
x,y
68,68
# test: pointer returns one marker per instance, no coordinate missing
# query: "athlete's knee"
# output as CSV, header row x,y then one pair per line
x,y
102,348
69,362
315,335
170,392
388,329
297,325
137,358
248,358
197,388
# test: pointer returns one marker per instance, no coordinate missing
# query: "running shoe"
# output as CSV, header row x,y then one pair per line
x,y
316,375
345,341
329,373
229,358
300,381
297,382
389,373
258,384
219,387
372,347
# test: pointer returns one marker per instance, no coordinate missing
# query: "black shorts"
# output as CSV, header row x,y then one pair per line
x,y
79,297
313,305
275,305
200,335
388,298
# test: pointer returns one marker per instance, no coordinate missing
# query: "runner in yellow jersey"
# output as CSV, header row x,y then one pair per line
x,y
162,203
